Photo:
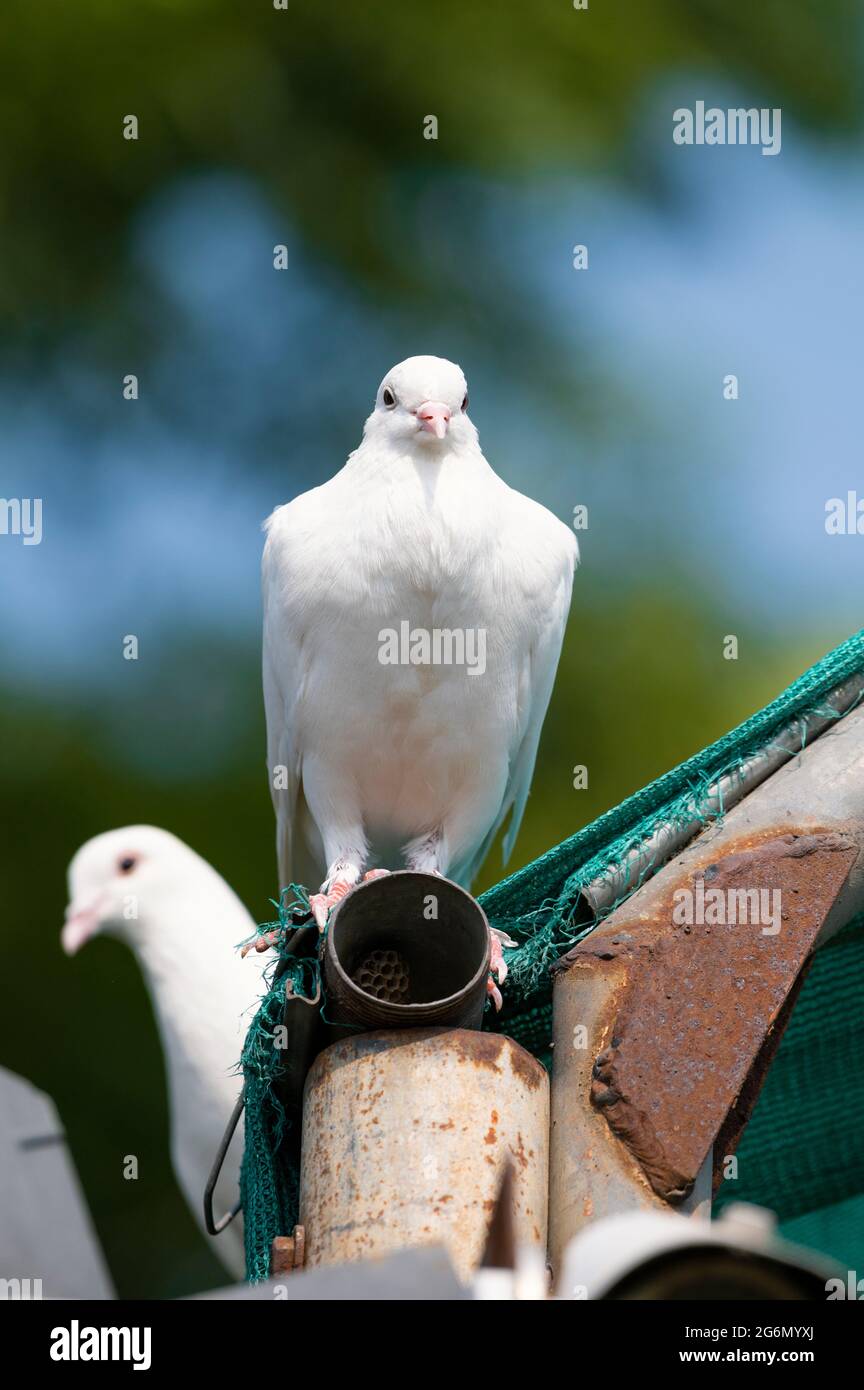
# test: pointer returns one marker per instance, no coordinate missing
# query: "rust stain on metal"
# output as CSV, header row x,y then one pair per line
x,y
485,1049
692,1030
519,1152
528,1069
482,1049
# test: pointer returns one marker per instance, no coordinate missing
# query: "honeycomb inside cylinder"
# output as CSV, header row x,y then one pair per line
x,y
385,975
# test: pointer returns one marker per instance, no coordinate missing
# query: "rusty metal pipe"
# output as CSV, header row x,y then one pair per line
x,y
405,1139
410,950
663,1031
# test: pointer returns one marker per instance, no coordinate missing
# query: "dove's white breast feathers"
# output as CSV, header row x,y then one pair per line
x,y
396,752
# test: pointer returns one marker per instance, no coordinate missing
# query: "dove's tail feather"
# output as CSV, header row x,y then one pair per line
x,y
298,862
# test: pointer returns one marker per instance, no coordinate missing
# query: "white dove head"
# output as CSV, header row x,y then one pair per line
x,y
117,880
422,401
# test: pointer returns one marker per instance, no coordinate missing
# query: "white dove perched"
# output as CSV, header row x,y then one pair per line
x,y
149,889
414,610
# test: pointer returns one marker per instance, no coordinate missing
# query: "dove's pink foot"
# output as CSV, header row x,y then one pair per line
x,y
260,943
497,965
340,880
322,904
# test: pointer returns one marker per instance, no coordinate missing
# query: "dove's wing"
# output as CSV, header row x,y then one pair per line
x,y
282,765
283,678
536,678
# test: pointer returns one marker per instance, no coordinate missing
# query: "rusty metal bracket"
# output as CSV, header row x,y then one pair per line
x,y
701,1001
288,1253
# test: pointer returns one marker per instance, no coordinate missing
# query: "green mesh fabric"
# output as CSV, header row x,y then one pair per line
x,y
837,1230
269,1177
800,1153
803,1149
537,905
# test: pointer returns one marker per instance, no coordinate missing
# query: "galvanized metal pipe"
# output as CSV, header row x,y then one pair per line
x,y
405,1136
651,854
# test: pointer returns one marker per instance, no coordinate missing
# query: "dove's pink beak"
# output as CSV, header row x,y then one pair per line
x,y
81,923
434,417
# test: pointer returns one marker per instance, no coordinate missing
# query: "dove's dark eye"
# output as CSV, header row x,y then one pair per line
x,y
388,398
465,402
127,864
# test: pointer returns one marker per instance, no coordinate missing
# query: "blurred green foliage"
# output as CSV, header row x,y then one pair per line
x,y
324,104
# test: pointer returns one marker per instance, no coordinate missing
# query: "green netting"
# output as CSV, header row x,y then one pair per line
x,y
269,1177
782,1156
837,1230
804,1146
537,905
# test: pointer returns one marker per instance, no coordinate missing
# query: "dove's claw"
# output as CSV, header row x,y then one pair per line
x,y
259,943
322,905
497,963
497,967
333,890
